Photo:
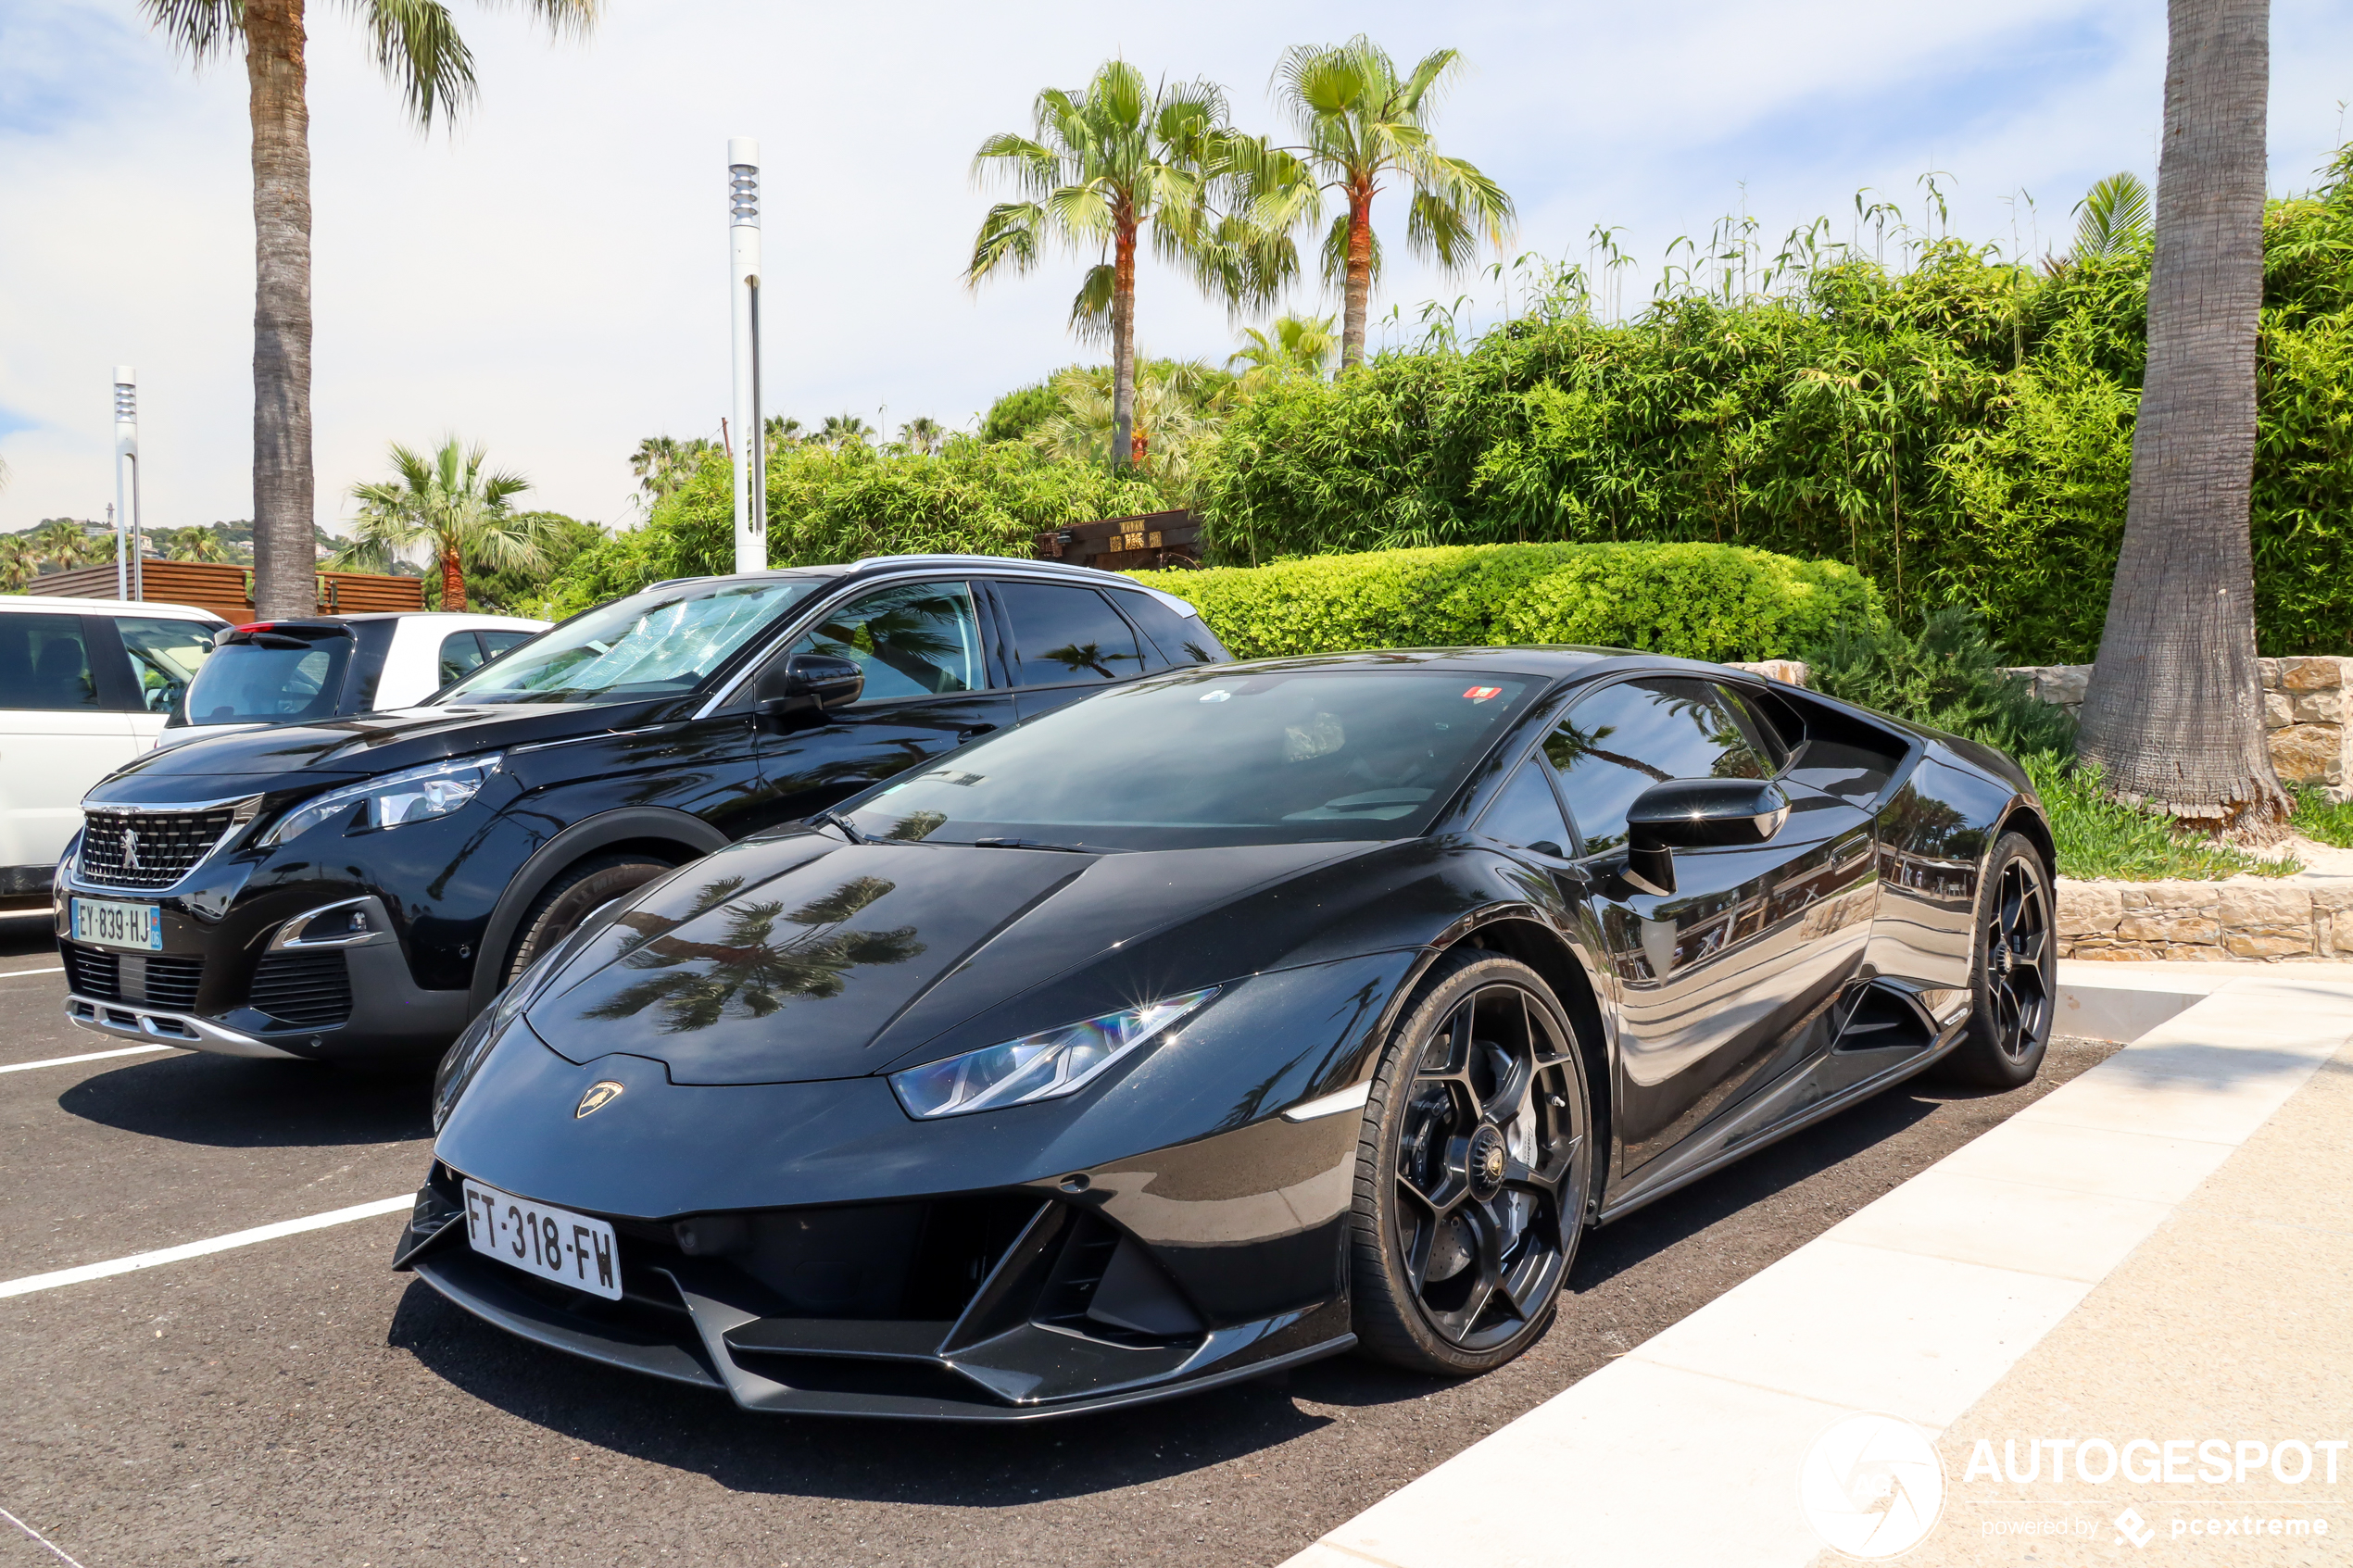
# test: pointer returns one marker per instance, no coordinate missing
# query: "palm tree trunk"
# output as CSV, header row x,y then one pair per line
x,y
1360,276
2174,715
283,557
453,579
1123,345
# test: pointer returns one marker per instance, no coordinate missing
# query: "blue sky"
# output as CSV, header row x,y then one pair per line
x,y
548,279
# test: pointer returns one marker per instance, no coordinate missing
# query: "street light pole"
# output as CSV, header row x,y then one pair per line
x,y
126,582
750,456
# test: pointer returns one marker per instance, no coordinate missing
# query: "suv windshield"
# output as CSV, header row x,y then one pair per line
x,y
657,643
285,677
1211,758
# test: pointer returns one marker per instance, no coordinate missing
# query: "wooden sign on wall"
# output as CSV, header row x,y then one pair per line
x,y
1150,542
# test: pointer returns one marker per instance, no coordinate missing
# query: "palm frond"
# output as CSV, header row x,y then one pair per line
x,y
1007,238
415,43
1090,312
199,28
2113,217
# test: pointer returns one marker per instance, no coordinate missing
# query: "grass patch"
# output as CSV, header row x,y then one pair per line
x,y
2319,818
2098,838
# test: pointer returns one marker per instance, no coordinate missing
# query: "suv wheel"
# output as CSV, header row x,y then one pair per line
x,y
567,900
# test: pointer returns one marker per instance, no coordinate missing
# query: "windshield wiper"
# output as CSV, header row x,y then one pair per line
x,y
836,819
1032,844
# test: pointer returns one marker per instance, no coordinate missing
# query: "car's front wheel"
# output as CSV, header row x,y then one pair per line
x,y
2014,984
1472,1172
558,910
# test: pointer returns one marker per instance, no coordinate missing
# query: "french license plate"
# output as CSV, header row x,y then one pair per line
x,y
552,1243
112,924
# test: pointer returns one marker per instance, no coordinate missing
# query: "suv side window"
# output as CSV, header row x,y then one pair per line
x,y
164,655
1178,639
460,655
1064,633
917,639
45,663
496,641
1624,739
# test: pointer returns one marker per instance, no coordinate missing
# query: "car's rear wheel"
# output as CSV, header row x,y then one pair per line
x,y
567,900
1472,1171
2014,982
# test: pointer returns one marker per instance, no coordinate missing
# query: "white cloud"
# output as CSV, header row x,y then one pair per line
x,y
550,281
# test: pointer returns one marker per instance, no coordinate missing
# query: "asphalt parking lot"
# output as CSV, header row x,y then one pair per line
x,y
295,1402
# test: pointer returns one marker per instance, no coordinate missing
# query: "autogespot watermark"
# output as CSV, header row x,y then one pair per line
x,y
1874,1486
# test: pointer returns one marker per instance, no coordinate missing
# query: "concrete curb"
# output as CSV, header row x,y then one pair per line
x,y
1686,1451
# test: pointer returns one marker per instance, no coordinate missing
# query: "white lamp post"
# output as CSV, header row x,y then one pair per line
x,y
743,286
126,582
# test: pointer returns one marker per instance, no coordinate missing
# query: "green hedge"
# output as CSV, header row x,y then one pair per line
x,y
1696,601
1962,432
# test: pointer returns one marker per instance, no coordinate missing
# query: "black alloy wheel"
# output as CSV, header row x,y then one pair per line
x,y
1473,1171
2014,984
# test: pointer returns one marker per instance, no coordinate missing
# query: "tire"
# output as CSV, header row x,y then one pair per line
x,y
2013,976
1472,1171
567,900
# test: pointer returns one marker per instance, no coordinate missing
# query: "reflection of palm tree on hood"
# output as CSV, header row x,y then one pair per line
x,y
750,968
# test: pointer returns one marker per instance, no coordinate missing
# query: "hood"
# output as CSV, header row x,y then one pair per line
x,y
368,743
798,958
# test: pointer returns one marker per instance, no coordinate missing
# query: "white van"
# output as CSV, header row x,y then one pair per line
x,y
85,686
299,671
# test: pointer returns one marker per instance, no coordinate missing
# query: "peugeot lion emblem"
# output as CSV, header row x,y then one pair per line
x,y
131,850
600,1095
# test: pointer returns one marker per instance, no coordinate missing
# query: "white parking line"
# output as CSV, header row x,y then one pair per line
x,y
92,1056
198,1249
37,1535
12,973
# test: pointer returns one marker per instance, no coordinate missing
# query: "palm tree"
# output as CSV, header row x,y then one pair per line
x,y
445,500
1176,403
192,543
922,434
20,562
1292,345
2113,217
2174,715
417,44
782,432
843,430
662,463
65,542
1360,126
1105,164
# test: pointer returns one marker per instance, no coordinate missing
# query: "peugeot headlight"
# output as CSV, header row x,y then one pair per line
x,y
410,795
1045,1066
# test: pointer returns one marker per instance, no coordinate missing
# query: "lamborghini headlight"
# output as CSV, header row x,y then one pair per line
x,y
393,801
1044,1066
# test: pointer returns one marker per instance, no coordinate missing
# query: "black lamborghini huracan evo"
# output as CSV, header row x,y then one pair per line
x,y
1225,1020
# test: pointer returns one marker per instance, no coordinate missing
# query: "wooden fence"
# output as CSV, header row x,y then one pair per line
x,y
227,589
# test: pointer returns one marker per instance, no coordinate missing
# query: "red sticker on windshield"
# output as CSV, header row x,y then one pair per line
x,y
1480,694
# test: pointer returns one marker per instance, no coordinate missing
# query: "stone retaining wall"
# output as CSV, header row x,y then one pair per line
x,y
2305,703
2210,922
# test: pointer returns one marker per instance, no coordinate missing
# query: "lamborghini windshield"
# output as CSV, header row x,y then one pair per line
x,y
1212,757
651,645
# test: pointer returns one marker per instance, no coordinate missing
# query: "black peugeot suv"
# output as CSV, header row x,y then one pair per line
x,y
357,889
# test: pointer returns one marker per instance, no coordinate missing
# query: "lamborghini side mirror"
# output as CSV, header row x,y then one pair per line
x,y
1696,814
808,686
